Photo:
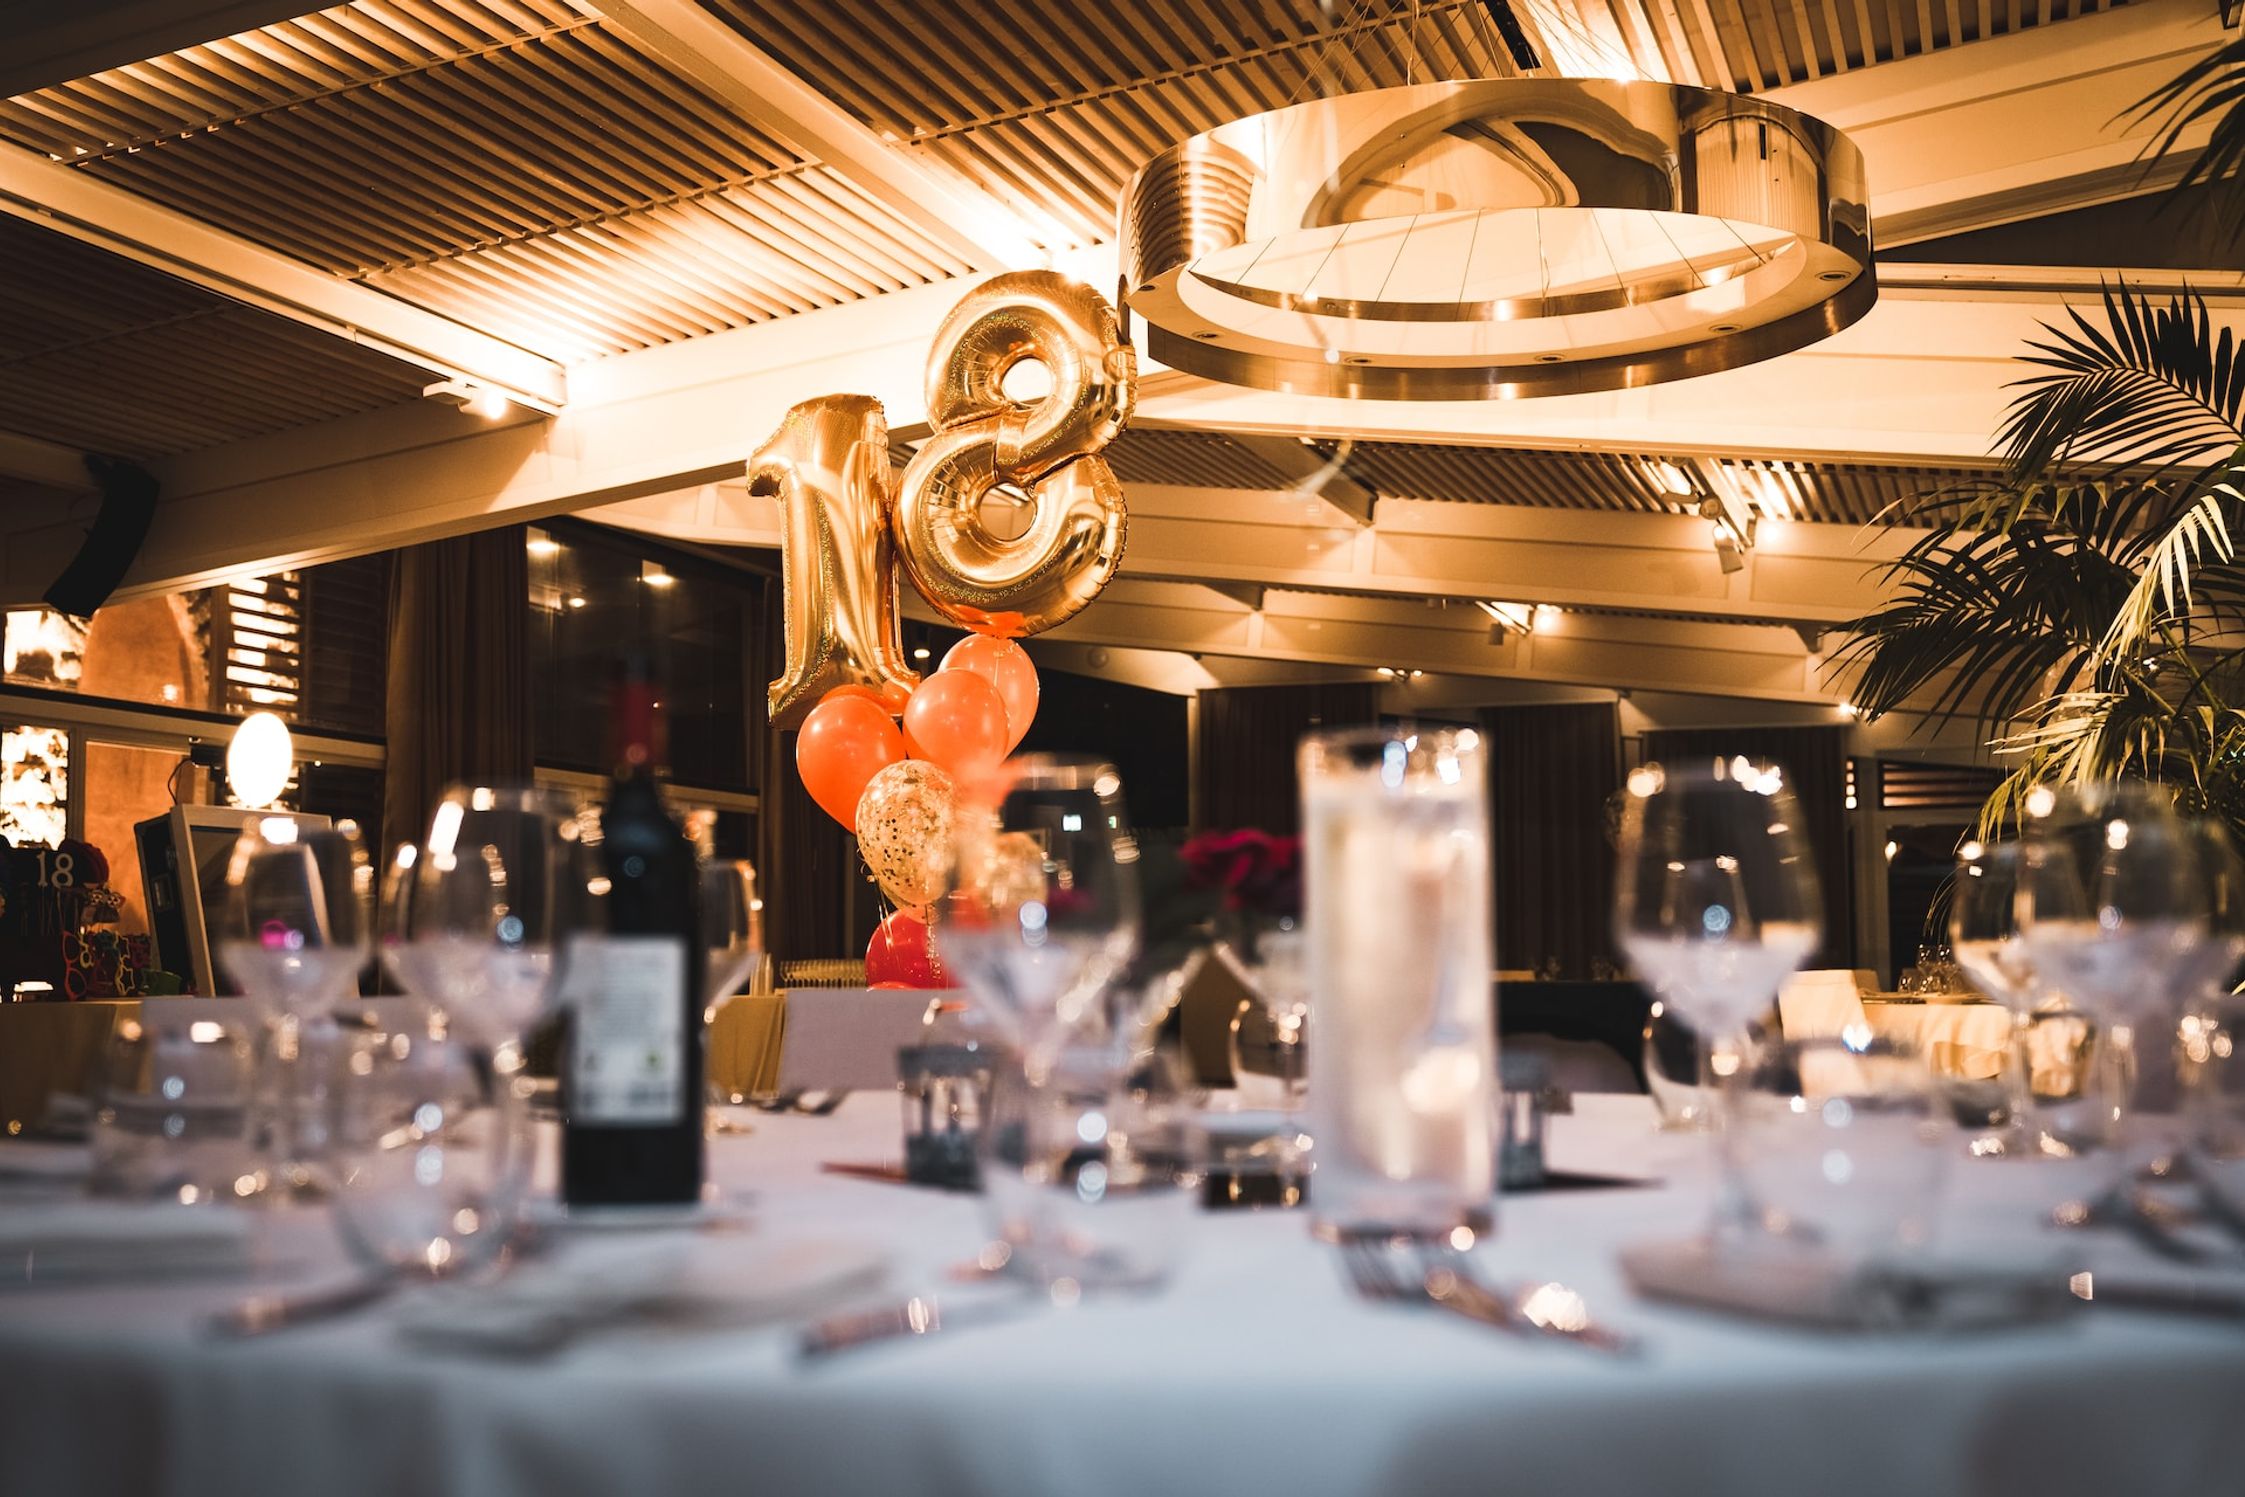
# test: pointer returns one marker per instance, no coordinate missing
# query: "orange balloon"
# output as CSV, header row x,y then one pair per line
x,y
847,740
956,721
1006,666
890,701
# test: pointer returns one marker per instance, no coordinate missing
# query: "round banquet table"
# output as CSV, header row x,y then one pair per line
x,y
1255,1370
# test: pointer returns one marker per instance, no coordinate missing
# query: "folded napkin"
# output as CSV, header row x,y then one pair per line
x,y
1806,1286
698,1283
76,1241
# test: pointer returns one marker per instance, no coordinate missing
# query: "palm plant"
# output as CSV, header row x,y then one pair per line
x,y
2084,606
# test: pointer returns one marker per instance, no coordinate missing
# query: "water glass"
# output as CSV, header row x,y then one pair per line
x,y
172,1103
1403,1083
1090,1185
432,1153
1840,1143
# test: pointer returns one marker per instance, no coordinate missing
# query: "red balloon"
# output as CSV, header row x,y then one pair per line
x,y
845,742
891,701
1006,666
902,954
956,721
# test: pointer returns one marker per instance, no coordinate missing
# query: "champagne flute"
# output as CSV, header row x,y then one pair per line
x,y
298,930
733,938
1985,938
1717,903
473,912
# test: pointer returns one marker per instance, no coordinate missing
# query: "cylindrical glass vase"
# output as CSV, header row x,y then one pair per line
x,y
1403,1083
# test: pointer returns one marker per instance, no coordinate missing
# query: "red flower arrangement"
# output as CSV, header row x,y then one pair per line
x,y
1259,874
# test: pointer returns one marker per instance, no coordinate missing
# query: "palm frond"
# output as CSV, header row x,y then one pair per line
x,y
2213,86
2163,590
2156,387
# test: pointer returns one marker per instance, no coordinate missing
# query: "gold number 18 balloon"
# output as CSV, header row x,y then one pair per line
x,y
1044,449
845,525
828,465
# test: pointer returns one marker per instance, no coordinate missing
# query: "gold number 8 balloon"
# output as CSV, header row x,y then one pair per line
x,y
1046,449
845,525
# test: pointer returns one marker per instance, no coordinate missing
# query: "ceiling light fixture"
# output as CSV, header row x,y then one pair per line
x,y
1496,238
476,399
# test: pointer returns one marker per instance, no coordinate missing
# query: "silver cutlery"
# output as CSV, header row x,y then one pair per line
x,y
920,1317
1445,1280
263,1314
2155,1226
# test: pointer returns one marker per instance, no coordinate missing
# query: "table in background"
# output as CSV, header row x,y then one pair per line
x,y
1256,1371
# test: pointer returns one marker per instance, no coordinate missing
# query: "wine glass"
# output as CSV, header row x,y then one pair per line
x,y
1041,901
733,937
1040,915
473,911
1717,903
298,930
2114,908
1985,939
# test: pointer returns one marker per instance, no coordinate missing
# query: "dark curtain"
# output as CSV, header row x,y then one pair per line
x,y
1550,770
1815,763
808,863
457,704
1243,772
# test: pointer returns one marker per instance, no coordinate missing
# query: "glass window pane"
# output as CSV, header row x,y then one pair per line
x,y
34,784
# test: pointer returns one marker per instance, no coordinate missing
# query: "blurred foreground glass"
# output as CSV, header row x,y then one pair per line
x,y
1840,1142
473,911
1403,1083
733,942
1041,901
432,1154
2114,906
298,929
1985,939
1716,904
172,1103
1089,1185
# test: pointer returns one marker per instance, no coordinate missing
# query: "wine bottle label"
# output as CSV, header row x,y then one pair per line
x,y
627,1056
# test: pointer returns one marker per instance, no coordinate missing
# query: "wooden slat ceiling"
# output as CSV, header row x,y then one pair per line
x,y
1051,106
103,354
1630,483
512,163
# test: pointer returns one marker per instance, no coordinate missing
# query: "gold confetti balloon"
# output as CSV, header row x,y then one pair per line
x,y
904,823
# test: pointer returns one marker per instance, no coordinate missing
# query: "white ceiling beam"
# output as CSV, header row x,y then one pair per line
x,y
43,43
54,196
421,472
2015,126
769,96
47,463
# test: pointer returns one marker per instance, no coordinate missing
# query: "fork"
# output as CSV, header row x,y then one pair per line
x,y
1446,1281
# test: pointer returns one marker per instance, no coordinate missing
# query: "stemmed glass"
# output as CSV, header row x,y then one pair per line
x,y
299,916
1985,938
1717,903
474,912
1040,914
733,938
2114,906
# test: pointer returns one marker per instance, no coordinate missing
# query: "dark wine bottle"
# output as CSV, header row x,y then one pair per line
x,y
632,1084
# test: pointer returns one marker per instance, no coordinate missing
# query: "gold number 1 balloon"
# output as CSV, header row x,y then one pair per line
x,y
828,464
1044,449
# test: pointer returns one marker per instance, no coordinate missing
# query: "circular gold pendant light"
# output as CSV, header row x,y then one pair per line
x,y
1497,238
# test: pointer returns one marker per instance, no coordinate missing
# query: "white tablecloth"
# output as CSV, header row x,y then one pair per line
x,y
1254,1372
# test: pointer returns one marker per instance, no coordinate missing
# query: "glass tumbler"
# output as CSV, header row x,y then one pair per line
x,y
172,1111
432,1154
1403,1083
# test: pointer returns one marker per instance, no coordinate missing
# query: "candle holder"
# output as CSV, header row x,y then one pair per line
x,y
946,1090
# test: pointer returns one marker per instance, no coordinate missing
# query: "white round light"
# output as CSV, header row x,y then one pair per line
x,y
260,760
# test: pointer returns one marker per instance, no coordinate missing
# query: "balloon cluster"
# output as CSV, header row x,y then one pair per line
x,y
896,785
